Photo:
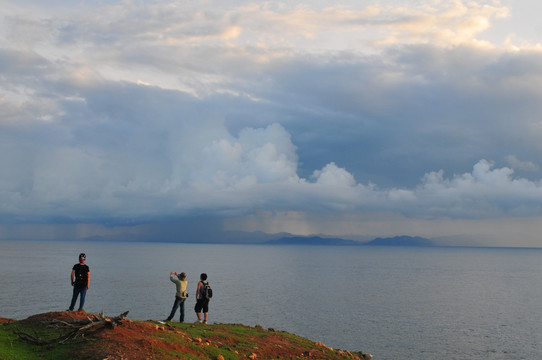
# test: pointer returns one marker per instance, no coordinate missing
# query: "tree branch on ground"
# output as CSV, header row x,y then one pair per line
x,y
77,328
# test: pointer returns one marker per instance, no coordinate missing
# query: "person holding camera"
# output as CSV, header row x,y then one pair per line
x,y
180,296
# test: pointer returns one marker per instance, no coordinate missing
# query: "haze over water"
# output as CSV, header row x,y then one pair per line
x,y
394,302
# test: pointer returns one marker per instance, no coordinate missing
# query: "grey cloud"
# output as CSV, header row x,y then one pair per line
x,y
369,112
261,128
522,165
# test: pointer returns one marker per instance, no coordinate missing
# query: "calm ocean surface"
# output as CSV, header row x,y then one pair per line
x,y
393,302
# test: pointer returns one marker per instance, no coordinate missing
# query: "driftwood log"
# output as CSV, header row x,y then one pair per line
x,y
74,329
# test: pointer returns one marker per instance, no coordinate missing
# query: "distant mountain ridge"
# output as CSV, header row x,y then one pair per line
x,y
240,237
311,240
403,240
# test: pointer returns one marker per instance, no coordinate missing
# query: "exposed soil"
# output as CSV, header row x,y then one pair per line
x,y
5,320
136,340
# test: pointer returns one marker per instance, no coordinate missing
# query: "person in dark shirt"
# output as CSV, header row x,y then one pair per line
x,y
80,279
202,302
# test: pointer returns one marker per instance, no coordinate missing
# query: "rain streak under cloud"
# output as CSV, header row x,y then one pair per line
x,y
355,120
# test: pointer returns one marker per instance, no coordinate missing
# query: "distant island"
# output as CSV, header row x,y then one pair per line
x,y
317,240
311,240
240,237
401,241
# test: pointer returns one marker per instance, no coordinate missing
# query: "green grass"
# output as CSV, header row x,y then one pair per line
x,y
231,341
221,336
11,347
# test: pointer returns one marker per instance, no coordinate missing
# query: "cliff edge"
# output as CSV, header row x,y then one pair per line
x,y
81,335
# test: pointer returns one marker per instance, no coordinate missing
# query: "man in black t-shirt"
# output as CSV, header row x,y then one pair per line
x,y
80,279
202,301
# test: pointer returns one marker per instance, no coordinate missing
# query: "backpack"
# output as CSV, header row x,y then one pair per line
x,y
207,292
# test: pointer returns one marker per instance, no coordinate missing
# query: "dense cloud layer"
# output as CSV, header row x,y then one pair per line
x,y
161,110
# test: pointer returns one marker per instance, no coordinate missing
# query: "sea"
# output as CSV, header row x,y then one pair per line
x,y
393,302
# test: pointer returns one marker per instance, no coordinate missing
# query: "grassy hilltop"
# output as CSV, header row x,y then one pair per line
x,y
80,335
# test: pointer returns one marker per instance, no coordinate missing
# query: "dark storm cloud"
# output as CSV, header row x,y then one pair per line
x,y
163,110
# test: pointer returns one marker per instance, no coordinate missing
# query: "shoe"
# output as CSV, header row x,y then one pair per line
x,y
205,322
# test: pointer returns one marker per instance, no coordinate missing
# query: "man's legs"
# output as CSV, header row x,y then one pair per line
x,y
83,292
74,298
198,309
206,309
174,308
181,319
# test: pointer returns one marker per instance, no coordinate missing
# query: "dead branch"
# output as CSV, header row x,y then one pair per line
x,y
77,329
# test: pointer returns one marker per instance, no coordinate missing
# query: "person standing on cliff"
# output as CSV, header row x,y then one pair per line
x,y
202,300
180,296
80,280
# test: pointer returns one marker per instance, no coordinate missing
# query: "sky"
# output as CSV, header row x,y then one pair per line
x,y
192,120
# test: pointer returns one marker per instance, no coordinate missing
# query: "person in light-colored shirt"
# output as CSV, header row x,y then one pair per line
x,y
180,295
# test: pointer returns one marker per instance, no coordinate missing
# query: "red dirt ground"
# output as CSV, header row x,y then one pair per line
x,y
143,340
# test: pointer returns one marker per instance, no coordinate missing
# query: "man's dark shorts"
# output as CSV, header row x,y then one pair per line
x,y
202,304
